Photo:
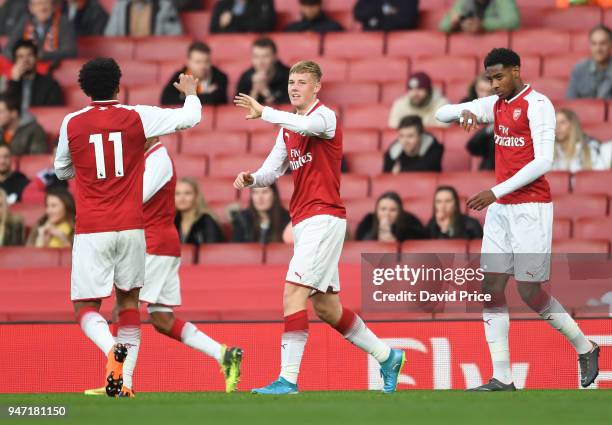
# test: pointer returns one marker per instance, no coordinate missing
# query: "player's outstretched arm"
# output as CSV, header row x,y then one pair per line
x,y
273,167
469,114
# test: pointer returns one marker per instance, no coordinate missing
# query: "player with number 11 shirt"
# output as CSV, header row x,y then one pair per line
x,y
102,147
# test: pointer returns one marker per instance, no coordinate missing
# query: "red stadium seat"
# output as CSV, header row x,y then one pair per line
x,y
190,165
67,74
432,5
352,250
590,111
231,253
278,253
30,165
580,43
149,94
342,45
447,68
560,66
30,213
580,246
365,163
391,91
19,257
345,19
407,185
282,20
354,186
607,20
540,42
593,182
581,205
230,165
119,48
361,141
137,73
531,66
231,118
167,69
231,47
196,142
562,228
430,19
601,132
339,5
188,255
421,206
573,18
457,90
441,246
456,159
356,210
334,70
218,189
553,88
366,116
559,182
263,141
593,228
468,183
378,70
196,24
172,143
412,44
220,210
474,246
479,45
455,137
75,98
149,48
297,46
344,94
51,117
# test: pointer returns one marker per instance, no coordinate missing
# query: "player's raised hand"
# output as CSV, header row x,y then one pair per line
x,y
187,84
468,120
245,101
243,180
482,200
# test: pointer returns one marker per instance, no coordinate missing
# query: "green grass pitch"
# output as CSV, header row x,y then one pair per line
x,y
322,408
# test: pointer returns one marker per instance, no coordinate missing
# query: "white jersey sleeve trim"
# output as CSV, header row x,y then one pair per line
x,y
274,166
482,108
321,123
64,169
158,172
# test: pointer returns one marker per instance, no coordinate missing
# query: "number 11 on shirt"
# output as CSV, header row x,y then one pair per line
x,y
97,141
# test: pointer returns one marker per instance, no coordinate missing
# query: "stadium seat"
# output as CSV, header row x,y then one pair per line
x,y
342,45
172,143
593,182
334,70
234,70
34,193
430,19
412,44
75,98
188,254
559,182
218,189
412,184
531,66
231,118
369,115
263,141
468,183
296,46
562,228
345,19
356,210
447,68
365,163
231,253
67,73
590,111
30,213
339,5
354,186
580,43
474,246
352,250
580,246
378,70
573,18
231,47
455,137
440,246
278,253
456,159
344,94
221,212
190,165
601,132
18,257
432,5
149,48
607,19
593,228
391,91
137,73
195,142
51,117
480,44
196,24
540,42
365,140
580,205
166,70
229,165
458,89
120,48
149,94
421,206
553,88
31,165
282,20
560,66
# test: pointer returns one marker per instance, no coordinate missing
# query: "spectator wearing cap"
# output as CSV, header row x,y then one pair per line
x,y
313,19
387,15
422,99
24,138
592,78
474,16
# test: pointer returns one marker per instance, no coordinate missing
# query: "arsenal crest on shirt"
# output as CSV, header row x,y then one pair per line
x,y
516,113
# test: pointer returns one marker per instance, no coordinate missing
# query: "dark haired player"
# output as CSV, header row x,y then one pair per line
x,y
102,147
518,225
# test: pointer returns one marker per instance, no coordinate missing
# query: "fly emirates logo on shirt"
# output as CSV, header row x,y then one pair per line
x,y
298,160
502,138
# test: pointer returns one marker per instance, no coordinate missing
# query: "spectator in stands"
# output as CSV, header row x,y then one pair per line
x,y
143,18
267,78
574,150
389,222
414,149
48,29
24,138
11,12
480,87
422,99
264,220
25,83
55,229
187,5
46,179
447,222
243,16
13,182
387,15
194,220
474,16
592,78
88,17
482,143
11,225
313,19
213,83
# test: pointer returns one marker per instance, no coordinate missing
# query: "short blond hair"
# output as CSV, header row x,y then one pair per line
x,y
307,67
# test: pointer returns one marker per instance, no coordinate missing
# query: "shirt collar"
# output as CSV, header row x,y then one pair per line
x,y
105,102
519,94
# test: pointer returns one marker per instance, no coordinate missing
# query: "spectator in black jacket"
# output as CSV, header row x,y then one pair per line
x,y
13,182
213,83
11,12
414,150
243,16
267,79
265,219
447,222
387,15
33,88
194,221
313,19
87,16
389,222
